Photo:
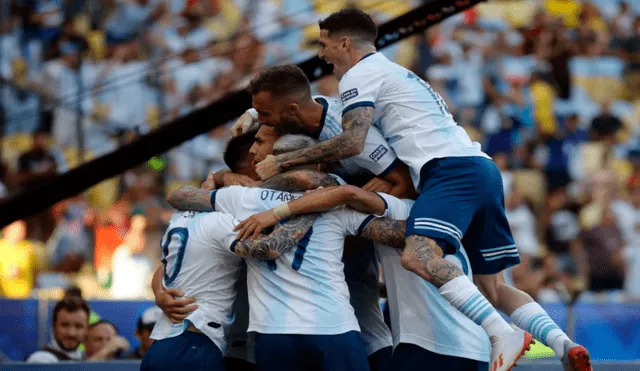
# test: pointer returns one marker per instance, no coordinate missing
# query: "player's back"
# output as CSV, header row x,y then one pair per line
x,y
412,117
412,299
304,291
197,259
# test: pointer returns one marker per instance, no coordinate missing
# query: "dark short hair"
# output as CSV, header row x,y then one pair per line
x,y
280,81
238,150
353,22
105,322
71,304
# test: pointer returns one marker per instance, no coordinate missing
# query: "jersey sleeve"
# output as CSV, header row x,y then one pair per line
x,y
396,209
354,221
218,229
377,157
359,87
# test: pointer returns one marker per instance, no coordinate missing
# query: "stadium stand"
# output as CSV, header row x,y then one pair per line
x,y
551,88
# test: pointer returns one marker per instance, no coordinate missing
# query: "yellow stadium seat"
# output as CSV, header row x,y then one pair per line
x,y
97,45
531,184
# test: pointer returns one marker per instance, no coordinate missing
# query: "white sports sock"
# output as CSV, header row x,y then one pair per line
x,y
466,297
532,318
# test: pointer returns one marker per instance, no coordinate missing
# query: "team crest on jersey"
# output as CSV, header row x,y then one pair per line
x,y
349,94
378,153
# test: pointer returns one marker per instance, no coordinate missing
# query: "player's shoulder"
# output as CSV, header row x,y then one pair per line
x,y
42,356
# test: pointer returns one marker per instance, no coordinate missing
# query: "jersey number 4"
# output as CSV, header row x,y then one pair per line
x,y
176,240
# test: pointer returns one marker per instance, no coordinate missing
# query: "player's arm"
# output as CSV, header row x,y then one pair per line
x,y
355,125
386,231
397,182
175,309
313,202
299,180
283,238
191,199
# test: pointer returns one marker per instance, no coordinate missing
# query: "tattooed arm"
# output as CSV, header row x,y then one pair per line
x,y
299,180
283,238
386,232
355,125
191,199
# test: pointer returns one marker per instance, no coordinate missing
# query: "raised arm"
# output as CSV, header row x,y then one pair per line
x,y
355,125
386,231
317,201
283,238
191,199
299,181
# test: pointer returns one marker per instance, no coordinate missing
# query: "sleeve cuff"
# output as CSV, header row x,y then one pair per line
x,y
386,207
213,200
365,223
233,245
358,104
386,171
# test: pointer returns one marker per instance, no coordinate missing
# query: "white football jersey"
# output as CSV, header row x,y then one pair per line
x,y
361,264
197,259
411,116
304,291
419,314
377,158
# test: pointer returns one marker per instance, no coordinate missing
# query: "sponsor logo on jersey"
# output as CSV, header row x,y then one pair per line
x,y
378,153
349,94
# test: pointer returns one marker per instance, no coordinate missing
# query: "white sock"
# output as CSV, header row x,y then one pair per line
x,y
466,297
533,319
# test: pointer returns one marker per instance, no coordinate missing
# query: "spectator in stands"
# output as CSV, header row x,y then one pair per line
x,y
18,264
603,246
146,322
606,126
131,271
523,224
131,18
70,325
632,251
70,244
37,164
103,342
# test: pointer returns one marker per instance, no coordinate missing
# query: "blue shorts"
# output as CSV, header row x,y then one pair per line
x,y
284,352
462,202
187,351
412,357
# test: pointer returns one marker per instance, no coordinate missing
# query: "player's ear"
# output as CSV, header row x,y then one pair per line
x,y
293,109
346,43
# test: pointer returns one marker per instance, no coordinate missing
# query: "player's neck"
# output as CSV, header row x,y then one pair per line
x,y
358,54
312,116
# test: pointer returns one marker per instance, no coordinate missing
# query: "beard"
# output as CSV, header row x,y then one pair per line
x,y
289,125
67,344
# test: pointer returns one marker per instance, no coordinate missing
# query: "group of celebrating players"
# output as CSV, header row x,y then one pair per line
x,y
273,264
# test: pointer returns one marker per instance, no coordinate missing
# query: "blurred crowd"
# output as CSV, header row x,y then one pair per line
x,y
551,88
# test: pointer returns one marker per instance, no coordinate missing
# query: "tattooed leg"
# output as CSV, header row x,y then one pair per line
x,y
423,256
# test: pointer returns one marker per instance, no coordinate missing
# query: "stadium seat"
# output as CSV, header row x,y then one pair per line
x,y
104,194
531,184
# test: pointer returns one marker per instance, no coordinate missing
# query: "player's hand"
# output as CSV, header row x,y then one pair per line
x,y
242,125
176,309
210,183
116,344
268,167
231,179
378,185
252,226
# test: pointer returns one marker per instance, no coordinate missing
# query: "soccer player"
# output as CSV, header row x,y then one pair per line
x,y
202,256
299,306
461,199
447,340
361,265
